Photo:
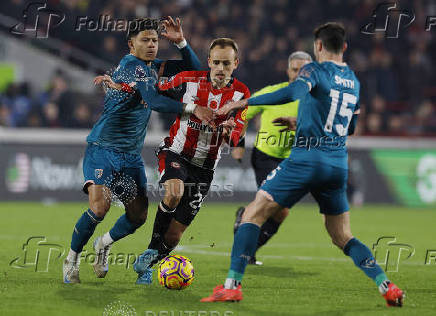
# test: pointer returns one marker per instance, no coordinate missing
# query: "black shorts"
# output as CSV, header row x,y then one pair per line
x,y
197,183
263,164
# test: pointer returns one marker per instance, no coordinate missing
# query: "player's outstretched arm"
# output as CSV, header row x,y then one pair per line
x,y
160,103
174,33
294,91
107,80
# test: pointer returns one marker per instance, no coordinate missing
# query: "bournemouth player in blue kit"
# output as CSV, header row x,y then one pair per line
x,y
329,106
116,140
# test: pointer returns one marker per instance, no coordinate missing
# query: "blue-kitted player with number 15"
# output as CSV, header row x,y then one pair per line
x,y
329,105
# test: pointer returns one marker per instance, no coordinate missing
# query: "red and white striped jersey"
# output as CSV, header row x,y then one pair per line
x,y
192,139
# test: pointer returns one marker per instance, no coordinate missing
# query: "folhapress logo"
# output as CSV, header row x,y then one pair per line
x,y
389,253
388,19
38,20
18,173
37,254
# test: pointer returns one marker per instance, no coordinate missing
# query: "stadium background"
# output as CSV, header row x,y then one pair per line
x,y
48,101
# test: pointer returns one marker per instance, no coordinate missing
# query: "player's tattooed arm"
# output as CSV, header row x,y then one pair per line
x,y
107,81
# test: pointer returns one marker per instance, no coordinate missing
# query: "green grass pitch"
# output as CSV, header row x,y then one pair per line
x,y
303,273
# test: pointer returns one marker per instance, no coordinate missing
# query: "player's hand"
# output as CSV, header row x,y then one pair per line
x,y
205,114
173,30
238,153
232,106
107,80
228,126
288,121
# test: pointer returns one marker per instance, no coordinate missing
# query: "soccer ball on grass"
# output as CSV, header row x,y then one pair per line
x,y
175,272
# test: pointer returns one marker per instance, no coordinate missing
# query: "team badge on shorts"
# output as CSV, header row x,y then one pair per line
x,y
175,164
98,173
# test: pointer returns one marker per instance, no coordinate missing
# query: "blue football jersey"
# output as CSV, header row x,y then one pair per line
x,y
325,113
122,125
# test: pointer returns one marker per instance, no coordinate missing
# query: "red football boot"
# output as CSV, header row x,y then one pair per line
x,y
394,296
220,294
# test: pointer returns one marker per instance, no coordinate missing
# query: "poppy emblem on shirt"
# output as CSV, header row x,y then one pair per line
x,y
214,101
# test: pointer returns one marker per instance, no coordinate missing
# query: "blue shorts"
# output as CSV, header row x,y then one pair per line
x,y
101,163
292,180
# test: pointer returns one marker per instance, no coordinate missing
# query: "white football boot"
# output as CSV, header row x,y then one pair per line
x,y
71,271
101,266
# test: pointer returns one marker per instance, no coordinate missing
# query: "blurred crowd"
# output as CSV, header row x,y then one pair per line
x,y
398,82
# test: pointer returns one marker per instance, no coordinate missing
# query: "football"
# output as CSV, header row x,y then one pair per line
x,y
175,272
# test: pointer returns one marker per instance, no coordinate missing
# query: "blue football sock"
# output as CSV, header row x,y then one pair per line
x,y
84,229
122,228
364,260
244,247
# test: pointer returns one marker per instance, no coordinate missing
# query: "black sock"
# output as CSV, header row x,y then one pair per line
x,y
162,221
267,230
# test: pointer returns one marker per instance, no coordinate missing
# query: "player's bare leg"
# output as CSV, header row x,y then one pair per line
x,y
83,230
244,246
338,227
158,247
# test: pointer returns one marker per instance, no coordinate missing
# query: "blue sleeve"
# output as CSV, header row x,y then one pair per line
x,y
189,61
157,102
309,74
294,91
145,82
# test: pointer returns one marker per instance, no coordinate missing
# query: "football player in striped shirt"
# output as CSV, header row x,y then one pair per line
x,y
188,157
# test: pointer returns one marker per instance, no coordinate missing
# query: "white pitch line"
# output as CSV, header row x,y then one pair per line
x,y
190,249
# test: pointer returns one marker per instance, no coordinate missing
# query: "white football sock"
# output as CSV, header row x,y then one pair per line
x,y
73,256
107,239
384,287
231,284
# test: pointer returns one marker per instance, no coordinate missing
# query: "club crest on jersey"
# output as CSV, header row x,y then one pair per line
x,y
175,164
213,101
98,173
